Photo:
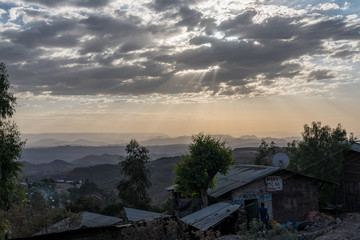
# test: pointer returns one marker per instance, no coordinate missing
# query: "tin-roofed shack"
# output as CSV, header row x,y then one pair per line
x,y
287,195
349,194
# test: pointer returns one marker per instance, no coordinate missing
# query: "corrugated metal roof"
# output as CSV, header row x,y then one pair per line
x,y
355,147
210,216
89,219
86,219
238,176
139,215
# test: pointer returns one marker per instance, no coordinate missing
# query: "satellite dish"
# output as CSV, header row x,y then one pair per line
x,y
281,160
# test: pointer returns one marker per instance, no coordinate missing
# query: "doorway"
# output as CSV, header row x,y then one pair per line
x,y
251,207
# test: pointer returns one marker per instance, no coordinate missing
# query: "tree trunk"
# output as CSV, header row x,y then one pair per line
x,y
204,198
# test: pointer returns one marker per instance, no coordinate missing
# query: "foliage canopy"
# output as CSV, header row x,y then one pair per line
x,y
7,99
133,190
319,153
265,151
196,171
10,142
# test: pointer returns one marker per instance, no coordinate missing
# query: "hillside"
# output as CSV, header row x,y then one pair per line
x,y
93,160
99,174
72,153
45,170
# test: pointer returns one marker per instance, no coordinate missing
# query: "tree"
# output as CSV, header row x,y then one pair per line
x,y
89,197
7,99
319,153
10,141
265,151
133,190
85,203
195,172
26,218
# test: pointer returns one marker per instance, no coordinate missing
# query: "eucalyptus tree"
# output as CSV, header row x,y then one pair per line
x,y
133,190
10,142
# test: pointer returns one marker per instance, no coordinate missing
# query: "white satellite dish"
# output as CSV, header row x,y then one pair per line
x,y
281,160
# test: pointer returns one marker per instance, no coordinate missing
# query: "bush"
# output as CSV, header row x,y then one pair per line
x,y
157,229
258,231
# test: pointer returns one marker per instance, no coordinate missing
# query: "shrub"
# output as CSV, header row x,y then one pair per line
x,y
257,231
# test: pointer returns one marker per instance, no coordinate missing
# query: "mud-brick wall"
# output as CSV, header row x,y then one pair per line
x,y
299,196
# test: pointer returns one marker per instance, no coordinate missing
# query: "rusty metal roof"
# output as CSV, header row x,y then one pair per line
x,y
138,215
238,176
86,219
210,216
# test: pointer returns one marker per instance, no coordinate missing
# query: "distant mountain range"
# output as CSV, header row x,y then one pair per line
x,y
45,170
85,139
72,153
70,149
121,139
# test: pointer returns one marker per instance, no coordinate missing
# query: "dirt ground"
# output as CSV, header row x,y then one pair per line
x,y
348,229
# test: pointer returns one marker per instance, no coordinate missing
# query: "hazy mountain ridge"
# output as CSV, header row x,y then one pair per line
x,y
159,146
92,160
85,139
72,153
44,170
147,139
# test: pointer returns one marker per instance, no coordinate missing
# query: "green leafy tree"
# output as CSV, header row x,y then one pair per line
x,y
85,203
89,197
86,189
115,209
133,190
26,218
265,151
196,171
10,141
319,153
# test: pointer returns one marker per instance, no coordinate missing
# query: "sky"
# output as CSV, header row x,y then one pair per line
x,y
246,67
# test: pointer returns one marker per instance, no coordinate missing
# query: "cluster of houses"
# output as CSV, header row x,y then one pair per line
x,y
286,194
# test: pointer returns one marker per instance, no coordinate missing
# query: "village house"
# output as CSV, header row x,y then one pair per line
x,y
62,187
349,192
286,194
89,226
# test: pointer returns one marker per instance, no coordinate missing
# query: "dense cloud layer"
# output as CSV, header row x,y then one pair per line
x,y
97,47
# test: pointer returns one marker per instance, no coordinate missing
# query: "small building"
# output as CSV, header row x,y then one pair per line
x,y
349,192
221,215
62,187
286,194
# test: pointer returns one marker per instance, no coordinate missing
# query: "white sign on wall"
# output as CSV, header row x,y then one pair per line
x,y
261,197
273,183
